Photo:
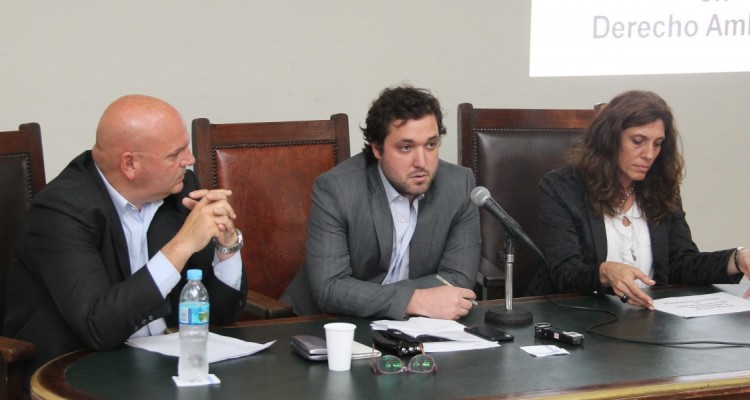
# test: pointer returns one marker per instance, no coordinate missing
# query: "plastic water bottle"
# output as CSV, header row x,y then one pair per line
x,y
194,311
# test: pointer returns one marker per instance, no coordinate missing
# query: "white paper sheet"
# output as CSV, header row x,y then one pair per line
x,y
737,289
219,347
545,350
211,379
448,329
702,305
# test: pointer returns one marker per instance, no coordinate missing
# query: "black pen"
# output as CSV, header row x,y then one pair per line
x,y
445,282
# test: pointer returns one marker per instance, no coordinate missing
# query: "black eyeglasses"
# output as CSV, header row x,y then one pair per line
x,y
389,364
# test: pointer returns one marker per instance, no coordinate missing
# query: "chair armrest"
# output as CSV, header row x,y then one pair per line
x,y
489,278
15,353
14,350
263,306
490,275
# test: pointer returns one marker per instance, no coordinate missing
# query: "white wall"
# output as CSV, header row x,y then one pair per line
x,y
264,60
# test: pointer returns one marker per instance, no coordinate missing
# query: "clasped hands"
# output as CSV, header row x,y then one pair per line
x,y
211,216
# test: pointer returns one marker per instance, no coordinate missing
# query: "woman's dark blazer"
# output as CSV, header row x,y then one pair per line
x,y
574,241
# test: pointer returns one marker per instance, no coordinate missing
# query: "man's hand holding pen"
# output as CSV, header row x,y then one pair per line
x,y
446,283
443,302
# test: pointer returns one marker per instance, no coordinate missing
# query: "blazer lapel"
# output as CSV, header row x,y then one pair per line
x,y
598,233
659,251
381,215
422,243
119,243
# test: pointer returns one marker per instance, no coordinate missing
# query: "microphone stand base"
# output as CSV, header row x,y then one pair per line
x,y
509,317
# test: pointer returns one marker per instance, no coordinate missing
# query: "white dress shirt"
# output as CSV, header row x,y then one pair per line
x,y
135,225
630,244
404,223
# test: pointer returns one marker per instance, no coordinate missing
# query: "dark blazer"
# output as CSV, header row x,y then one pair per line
x,y
574,241
350,241
70,284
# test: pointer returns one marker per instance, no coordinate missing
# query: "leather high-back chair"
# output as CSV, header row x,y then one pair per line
x,y
509,151
270,168
21,178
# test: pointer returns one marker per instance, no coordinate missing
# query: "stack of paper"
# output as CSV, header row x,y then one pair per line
x,y
452,330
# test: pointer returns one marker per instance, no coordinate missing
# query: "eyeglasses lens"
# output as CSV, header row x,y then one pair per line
x,y
420,364
389,365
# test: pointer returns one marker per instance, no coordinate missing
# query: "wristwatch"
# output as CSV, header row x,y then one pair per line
x,y
231,249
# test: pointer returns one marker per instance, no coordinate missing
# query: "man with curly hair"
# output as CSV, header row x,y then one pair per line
x,y
386,222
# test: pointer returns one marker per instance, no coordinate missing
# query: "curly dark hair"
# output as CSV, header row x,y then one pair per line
x,y
595,156
395,106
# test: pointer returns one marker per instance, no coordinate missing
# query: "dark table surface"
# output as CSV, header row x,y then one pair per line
x,y
601,367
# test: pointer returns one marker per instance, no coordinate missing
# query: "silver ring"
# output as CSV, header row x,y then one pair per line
x,y
624,298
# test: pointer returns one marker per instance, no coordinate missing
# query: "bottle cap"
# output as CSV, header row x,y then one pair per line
x,y
194,274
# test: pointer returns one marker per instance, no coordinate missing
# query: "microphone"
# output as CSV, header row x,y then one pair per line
x,y
482,198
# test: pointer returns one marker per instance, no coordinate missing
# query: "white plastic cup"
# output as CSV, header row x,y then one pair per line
x,y
339,339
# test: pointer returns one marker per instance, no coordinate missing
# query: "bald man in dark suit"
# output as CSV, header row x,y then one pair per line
x,y
105,248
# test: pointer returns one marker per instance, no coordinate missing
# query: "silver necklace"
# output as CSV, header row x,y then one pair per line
x,y
626,237
625,198
632,234
621,214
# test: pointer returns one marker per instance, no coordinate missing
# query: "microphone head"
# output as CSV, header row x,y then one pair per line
x,y
479,195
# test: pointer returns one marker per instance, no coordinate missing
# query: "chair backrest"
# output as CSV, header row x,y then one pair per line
x,y
509,151
21,177
270,168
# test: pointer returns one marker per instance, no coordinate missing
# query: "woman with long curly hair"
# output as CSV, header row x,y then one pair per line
x,y
612,221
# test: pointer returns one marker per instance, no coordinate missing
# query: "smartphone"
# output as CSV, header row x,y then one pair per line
x,y
489,333
424,338
310,347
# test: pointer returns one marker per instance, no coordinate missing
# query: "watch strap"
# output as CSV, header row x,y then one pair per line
x,y
230,249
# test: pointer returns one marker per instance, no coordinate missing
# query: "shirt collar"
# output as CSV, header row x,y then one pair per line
x,y
390,192
121,203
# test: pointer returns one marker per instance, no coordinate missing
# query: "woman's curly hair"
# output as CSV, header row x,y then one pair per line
x,y
595,156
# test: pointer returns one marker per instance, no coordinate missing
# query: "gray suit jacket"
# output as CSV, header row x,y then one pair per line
x,y
350,240
574,240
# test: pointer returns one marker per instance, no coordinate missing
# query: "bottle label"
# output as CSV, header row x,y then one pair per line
x,y
194,313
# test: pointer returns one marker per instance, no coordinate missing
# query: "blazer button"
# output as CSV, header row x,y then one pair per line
x,y
150,317
144,322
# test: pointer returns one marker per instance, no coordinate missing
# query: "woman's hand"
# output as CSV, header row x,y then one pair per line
x,y
621,278
740,263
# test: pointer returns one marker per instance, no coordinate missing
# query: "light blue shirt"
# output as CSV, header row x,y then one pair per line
x,y
404,223
135,225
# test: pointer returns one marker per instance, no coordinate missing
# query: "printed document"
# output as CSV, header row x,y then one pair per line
x,y
702,305
452,330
